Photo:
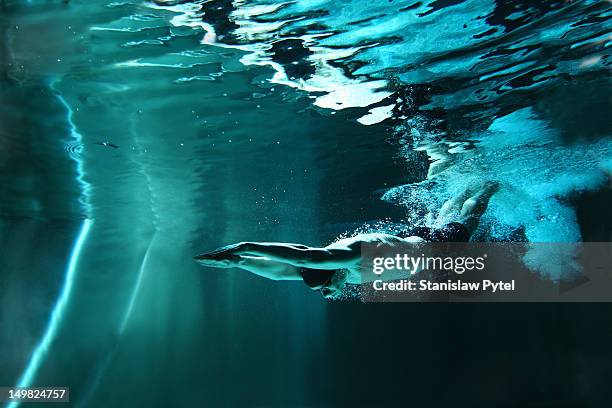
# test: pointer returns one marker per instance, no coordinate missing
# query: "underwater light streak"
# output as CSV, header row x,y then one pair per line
x,y
41,349
78,138
40,352
136,289
126,317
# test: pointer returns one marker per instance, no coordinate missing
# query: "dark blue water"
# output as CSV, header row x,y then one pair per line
x,y
136,134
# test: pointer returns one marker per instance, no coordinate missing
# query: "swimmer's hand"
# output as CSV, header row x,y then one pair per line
x,y
227,251
224,257
217,260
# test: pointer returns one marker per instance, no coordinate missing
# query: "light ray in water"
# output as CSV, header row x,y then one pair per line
x,y
126,317
136,289
77,139
40,352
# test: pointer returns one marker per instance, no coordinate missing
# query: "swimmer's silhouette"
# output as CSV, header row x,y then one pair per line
x,y
329,268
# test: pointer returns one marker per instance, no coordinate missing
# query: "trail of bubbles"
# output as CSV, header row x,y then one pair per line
x,y
537,172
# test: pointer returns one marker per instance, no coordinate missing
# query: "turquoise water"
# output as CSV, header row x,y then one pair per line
x,y
134,135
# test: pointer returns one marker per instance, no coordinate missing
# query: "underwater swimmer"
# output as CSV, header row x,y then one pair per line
x,y
329,268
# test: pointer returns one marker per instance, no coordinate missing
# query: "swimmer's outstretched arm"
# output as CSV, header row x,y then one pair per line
x,y
261,266
318,258
292,254
268,268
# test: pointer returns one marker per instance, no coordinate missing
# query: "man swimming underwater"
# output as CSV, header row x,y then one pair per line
x,y
329,268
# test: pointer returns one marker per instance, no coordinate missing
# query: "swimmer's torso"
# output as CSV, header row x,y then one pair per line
x,y
376,238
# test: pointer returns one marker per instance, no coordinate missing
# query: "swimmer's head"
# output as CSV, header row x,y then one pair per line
x,y
333,289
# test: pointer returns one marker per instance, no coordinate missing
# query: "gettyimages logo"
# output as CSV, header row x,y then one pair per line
x,y
412,264
491,272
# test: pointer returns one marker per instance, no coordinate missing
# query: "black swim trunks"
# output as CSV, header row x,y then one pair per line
x,y
451,232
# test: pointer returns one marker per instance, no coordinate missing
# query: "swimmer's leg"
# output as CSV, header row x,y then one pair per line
x,y
473,208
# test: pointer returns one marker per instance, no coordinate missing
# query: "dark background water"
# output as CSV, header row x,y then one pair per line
x,y
177,185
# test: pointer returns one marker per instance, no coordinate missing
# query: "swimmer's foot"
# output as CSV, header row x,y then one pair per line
x,y
490,187
451,208
476,205
479,201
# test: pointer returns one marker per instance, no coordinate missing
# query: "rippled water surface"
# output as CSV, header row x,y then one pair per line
x,y
134,134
